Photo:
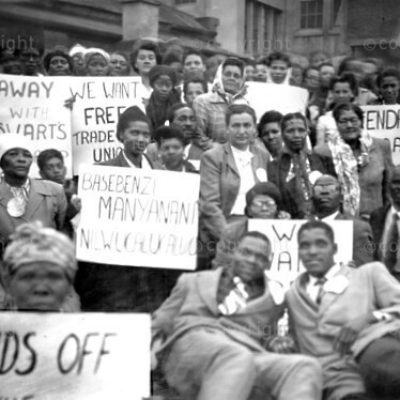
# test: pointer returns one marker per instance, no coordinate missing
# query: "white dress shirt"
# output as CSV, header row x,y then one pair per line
x,y
313,289
247,181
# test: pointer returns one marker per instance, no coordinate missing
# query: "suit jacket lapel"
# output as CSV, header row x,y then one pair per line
x,y
37,190
207,285
230,161
302,295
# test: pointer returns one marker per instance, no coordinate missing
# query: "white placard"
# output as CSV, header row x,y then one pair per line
x,y
34,107
89,356
99,101
286,265
383,122
135,217
270,96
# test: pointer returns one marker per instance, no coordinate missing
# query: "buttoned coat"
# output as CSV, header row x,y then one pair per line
x,y
220,184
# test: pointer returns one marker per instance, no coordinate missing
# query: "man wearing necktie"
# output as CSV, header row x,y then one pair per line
x,y
348,318
385,228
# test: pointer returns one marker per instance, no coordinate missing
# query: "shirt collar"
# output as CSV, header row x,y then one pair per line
x,y
330,217
328,276
26,185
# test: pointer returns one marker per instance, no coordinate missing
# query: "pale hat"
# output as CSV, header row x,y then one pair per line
x,y
10,141
77,49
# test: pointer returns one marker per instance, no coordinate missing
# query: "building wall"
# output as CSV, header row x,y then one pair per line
x,y
330,37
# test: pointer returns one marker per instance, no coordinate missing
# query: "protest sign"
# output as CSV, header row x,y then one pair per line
x,y
99,101
89,356
286,265
34,107
383,122
270,96
138,218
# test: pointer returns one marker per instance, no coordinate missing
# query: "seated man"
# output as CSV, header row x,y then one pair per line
x,y
208,334
338,313
326,199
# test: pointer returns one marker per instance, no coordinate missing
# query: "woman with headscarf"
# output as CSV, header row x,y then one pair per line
x,y
263,201
38,271
23,199
164,95
362,164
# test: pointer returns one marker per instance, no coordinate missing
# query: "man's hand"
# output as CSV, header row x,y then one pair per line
x,y
282,345
349,333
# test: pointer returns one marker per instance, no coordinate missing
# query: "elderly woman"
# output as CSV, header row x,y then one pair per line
x,y
263,201
58,63
23,199
362,164
39,268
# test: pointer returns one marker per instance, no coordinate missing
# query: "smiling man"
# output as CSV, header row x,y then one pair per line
x,y
348,318
208,335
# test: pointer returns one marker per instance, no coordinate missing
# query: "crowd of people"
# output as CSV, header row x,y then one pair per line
x,y
215,330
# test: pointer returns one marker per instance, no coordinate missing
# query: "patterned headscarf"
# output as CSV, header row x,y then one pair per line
x,y
32,242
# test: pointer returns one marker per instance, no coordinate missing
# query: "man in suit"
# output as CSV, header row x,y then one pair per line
x,y
133,131
385,228
208,334
326,199
337,313
228,171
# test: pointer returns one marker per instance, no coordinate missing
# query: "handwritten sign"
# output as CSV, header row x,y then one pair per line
x,y
138,218
34,107
98,104
383,122
286,265
89,356
265,97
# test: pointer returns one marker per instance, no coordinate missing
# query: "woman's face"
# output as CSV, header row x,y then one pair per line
x,y
163,86
16,163
262,206
59,66
342,93
135,138
278,71
349,125
40,286
294,134
145,61
118,65
97,66
79,64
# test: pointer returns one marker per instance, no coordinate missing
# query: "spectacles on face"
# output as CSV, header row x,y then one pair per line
x,y
264,203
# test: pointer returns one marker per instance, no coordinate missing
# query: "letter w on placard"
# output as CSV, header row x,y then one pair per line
x,y
284,235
